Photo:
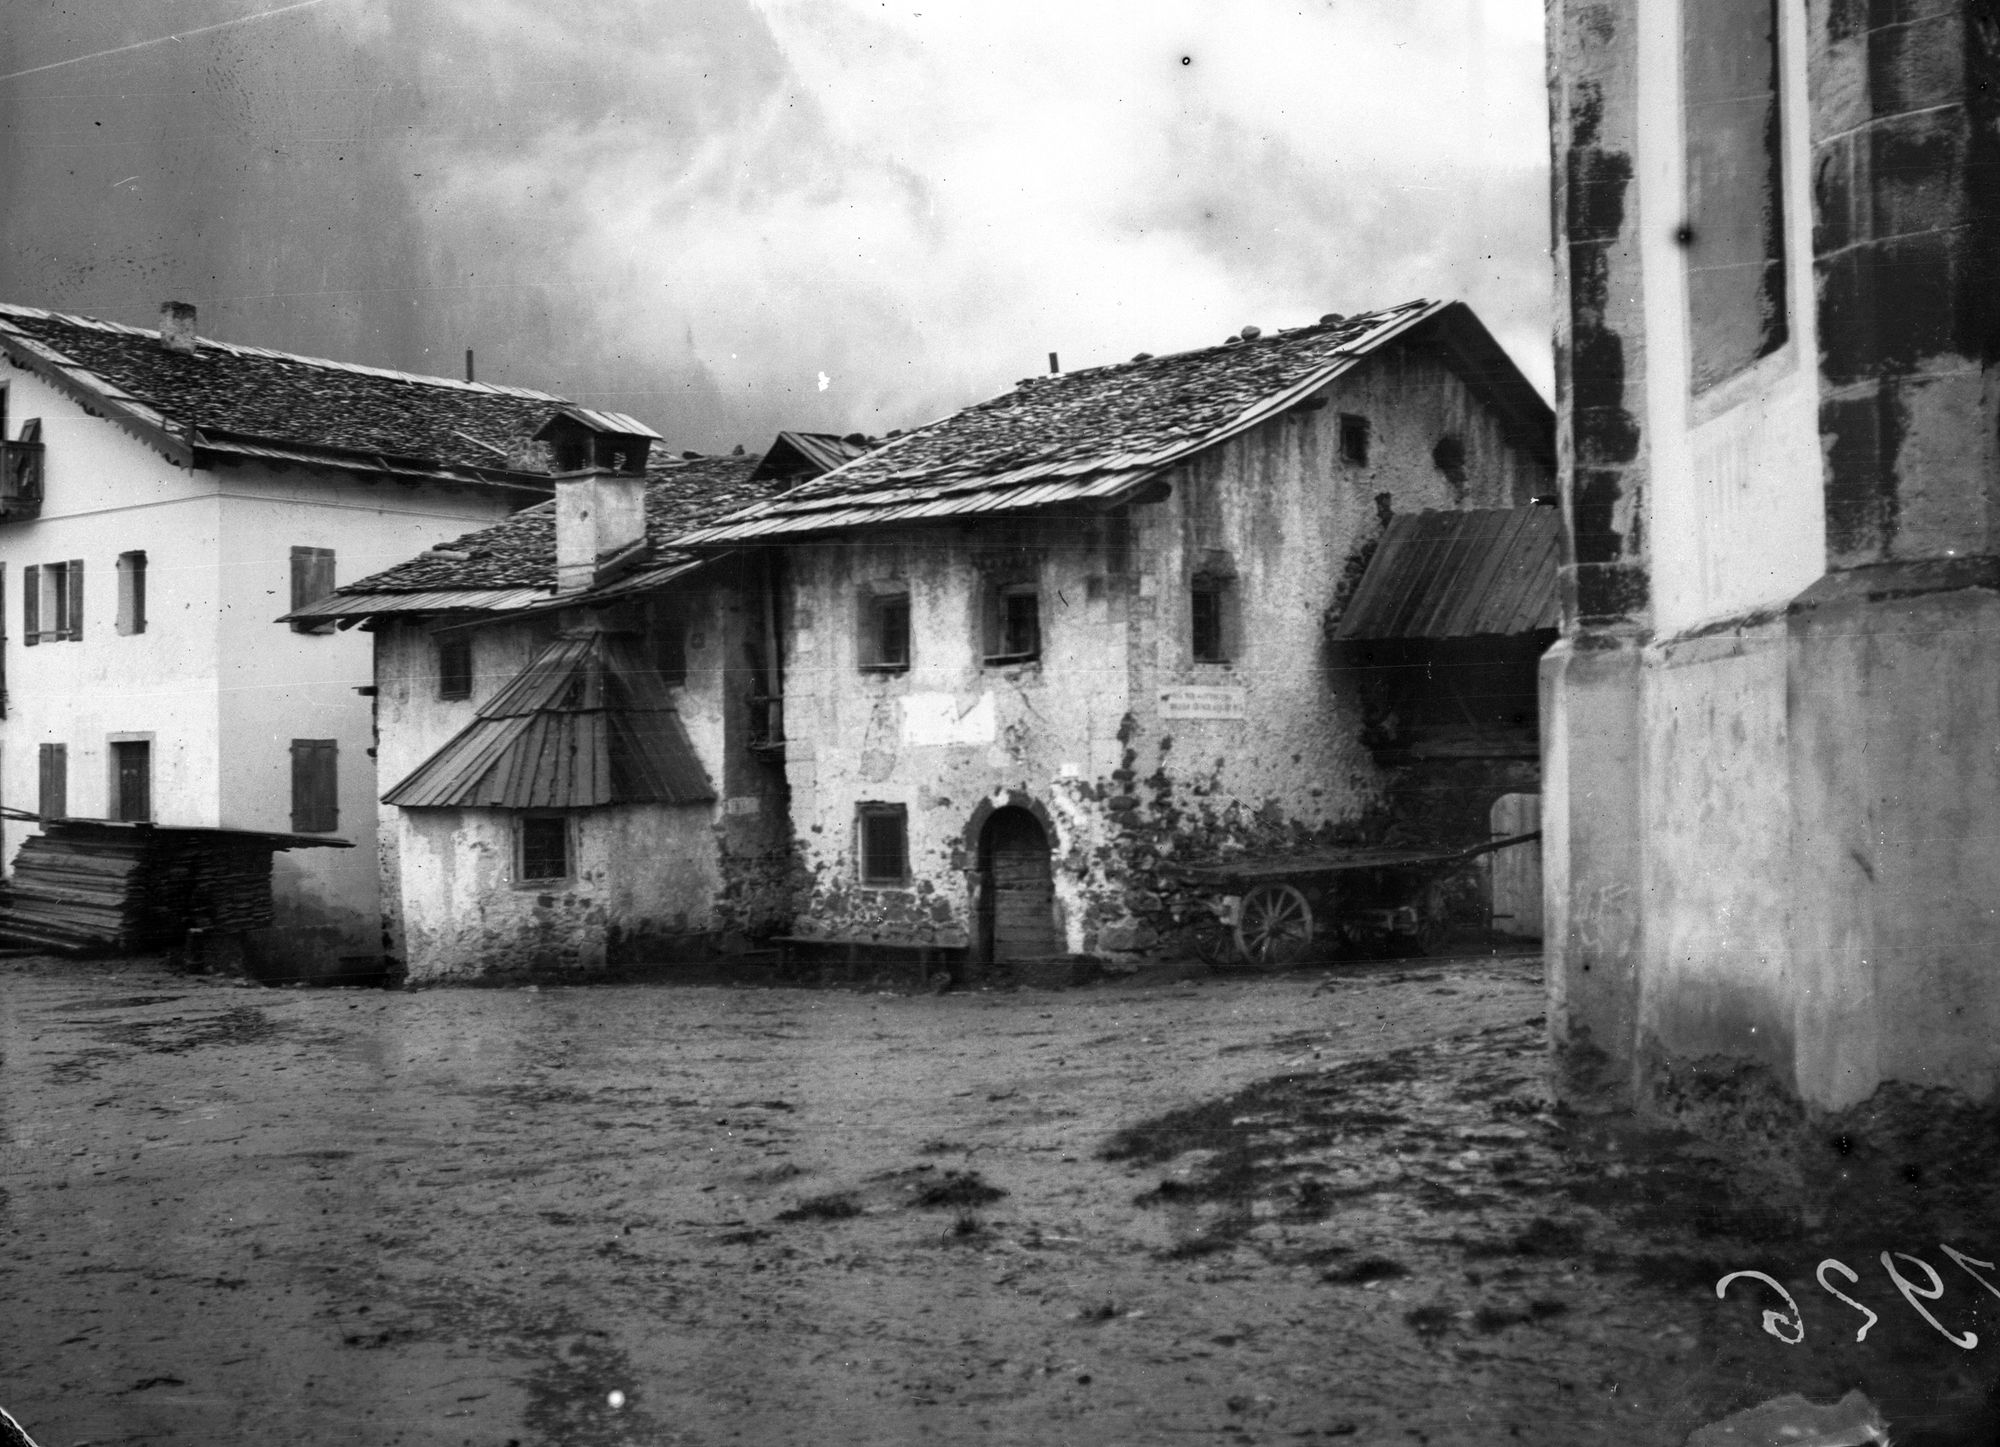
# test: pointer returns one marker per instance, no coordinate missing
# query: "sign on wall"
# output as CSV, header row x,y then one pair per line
x,y
1202,700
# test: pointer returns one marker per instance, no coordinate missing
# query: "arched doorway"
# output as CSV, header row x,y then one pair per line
x,y
1017,896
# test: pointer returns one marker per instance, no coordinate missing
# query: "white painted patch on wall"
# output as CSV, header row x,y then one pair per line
x,y
939,719
1204,701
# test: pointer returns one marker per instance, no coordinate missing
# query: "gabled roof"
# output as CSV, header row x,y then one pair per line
x,y
808,454
585,724
223,402
1099,434
512,564
1483,572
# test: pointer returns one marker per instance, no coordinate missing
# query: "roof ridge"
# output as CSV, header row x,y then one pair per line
x,y
245,349
1378,315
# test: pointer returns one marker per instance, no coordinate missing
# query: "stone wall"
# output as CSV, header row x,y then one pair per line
x,y
1141,756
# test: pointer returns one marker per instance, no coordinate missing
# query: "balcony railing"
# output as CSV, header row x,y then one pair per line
x,y
20,480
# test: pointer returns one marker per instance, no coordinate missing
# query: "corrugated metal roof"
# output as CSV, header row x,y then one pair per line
x,y
582,726
1099,432
1459,575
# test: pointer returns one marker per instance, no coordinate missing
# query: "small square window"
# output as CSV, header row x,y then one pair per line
x,y
1014,624
454,658
885,843
544,849
885,632
1354,439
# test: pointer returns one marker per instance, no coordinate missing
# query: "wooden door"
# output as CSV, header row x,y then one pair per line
x,y
1020,890
133,761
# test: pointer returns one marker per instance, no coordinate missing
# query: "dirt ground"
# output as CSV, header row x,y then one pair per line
x,y
1317,1207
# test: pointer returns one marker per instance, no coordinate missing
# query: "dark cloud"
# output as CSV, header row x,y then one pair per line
x,y
729,217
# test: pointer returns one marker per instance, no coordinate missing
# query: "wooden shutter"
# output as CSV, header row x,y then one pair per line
x,y
131,593
31,605
54,802
312,580
72,626
315,786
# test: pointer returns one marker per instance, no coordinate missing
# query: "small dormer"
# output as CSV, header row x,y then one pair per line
x,y
583,438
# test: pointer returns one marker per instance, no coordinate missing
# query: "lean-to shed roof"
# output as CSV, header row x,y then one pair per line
x,y
1487,571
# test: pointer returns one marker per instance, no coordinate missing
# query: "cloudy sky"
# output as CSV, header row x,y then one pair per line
x,y
731,216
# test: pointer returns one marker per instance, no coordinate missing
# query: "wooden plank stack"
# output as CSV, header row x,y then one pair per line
x,y
87,886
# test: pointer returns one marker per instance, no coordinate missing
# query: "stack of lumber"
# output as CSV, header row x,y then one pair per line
x,y
85,885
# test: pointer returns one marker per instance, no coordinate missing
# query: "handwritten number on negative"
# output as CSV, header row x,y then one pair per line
x,y
1852,1276
1774,1321
1911,1291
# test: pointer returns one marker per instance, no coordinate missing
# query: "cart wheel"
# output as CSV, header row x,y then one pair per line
x,y
1434,922
1213,940
1274,925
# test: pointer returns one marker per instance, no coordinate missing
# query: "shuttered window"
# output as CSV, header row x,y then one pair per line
x,y
54,793
312,580
131,593
885,843
315,786
52,602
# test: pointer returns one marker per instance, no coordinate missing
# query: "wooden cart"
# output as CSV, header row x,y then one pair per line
x,y
1269,910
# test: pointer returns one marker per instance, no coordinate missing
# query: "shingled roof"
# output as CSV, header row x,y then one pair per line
x,y
513,563
1102,432
223,402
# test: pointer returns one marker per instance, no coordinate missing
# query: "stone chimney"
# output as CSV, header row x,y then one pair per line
x,y
177,326
600,525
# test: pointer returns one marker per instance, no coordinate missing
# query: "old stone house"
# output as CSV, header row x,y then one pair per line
x,y
574,720
164,498
1037,652
1773,797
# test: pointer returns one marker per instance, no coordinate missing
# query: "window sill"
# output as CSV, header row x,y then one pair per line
x,y
885,668
888,884
1009,660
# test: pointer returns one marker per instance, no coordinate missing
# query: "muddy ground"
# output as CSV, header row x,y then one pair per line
x,y
1319,1207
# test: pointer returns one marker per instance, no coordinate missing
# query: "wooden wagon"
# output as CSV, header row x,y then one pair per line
x,y
1269,910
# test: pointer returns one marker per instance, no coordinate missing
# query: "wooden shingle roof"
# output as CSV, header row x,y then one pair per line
x,y
222,401
1098,434
512,564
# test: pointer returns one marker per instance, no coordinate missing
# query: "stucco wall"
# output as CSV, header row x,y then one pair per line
x,y
1772,798
218,685
653,883
646,877
1128,778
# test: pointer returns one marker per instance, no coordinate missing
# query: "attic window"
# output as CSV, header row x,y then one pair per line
x,y
884,643
1013,623
454,661
1354,439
